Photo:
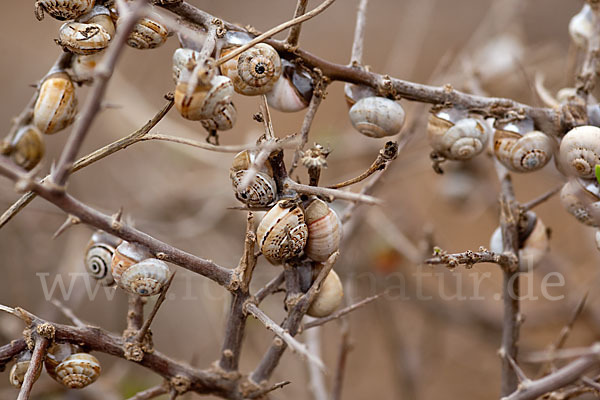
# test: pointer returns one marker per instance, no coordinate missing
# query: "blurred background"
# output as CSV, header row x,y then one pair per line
x,y
436,333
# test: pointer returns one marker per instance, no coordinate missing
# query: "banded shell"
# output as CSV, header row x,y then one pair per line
x,y
145,278
62,9
83,66
377,117
126,255
293,90
56,105
324,231
27,147
255,71
203,103
184,62
83,38
581,198
78,370
460,140
261,192
223,120
147,34
329,298
523,153
57,352
581,26
282,233
98,257
19,369
580,151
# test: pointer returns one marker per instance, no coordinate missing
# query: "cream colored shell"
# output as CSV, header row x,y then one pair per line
x,y
147,34
293,90
523,153
377,117
83,66
282,233
223,120
324,231
56,105
78,370
580,151
83,38
126,255
203,103
581,26
19,369
145,278
184,62
353,93
461,141
27,147
581,198
261,192
62,9
255,71
329,297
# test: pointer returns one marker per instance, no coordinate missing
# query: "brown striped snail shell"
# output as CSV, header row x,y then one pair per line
x,y
580,151
78,370
324,230
203,103
18,370
456,136
98,257
329,298
56,105
126,255
57,352
261,192
184,62
90,34
293,90
581,26
27,147
377,117
224,119
282,233
255,71
147,34
581,198
145,278
523,152
83,66
62,9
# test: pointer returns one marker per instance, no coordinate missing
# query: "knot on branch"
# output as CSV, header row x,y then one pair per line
x,y
46,330
133,349
180,383
386,87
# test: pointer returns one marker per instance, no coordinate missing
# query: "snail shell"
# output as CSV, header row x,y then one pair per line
x,y
56,105
203,103
98,257
580,151
126,255
147,34
533,239
255,71
184,62
261,192
145,278
581,198
523,153
377,117
90,34
78,370
224,119
27,147
282,233
83,66
293,90
63,9
581,26
354,93
324,231
460,141
18,370
329,297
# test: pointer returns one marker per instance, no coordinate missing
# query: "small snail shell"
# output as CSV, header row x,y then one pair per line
x,y
255,71
126,255
147,34
581,26
145,278
83,66
460,141
184,62
27,147
354,93
18,370
203,103
293,90
282,233
62,9
377,117
261,192
324,230
580,151
78,370
581,198
98,256
224,119
523,153
56,105
534,242
82,38
329,297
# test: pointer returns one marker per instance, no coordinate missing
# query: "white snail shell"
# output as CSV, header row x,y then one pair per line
x,y
329,297
126,255
203,103
223,120
184,62
523,153
354,93
98,257
27,147
83,66
293,90
324,231
461,141
580,151
255,71
377,117
63,9
261,192
581,26
145,278
18,370
282,233
78,370
56,105
581,198
90,34
147,34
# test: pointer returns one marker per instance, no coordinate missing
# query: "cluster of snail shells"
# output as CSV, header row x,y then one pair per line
x,y
520,148
581,26
253,72
71,367
533,239
19,369
377,117
56,105
581,198
27,147
456,136
329,298
63,9
293,90
580,151
98,257
135,270
89,34
261,191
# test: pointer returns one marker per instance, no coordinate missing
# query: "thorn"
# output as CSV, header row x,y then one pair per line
x,y
71,221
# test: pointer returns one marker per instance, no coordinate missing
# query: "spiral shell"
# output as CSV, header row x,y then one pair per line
x,y
83,66
62,9
255,71
329,298
581,26
78,370
293,90
523,153
83,38
223,120
56,105
377,117
145,278
147,34
27,147
184,62
324,231
580,151
581,198
261,192
126,255
18,370
460,141
98,257
282,233
203,103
